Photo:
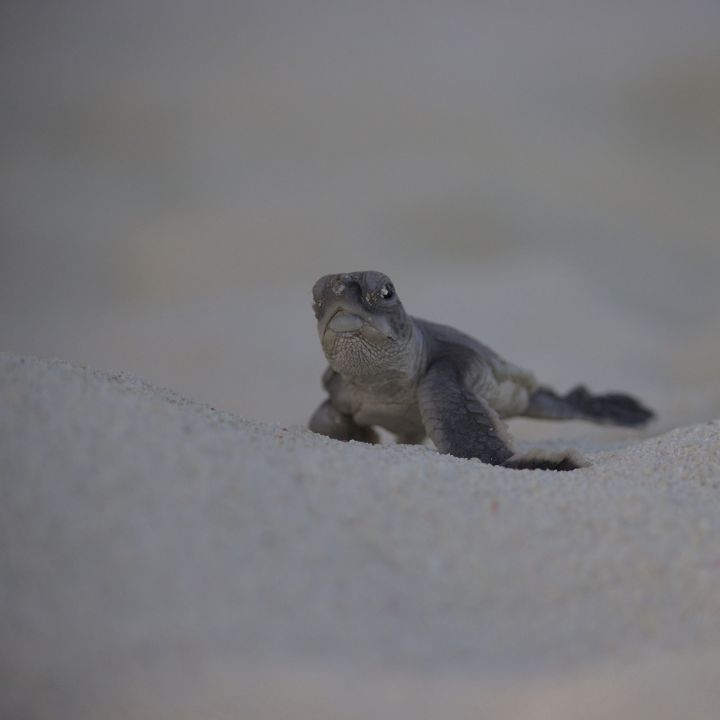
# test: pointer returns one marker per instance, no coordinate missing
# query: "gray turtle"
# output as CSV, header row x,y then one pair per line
x,y
416,379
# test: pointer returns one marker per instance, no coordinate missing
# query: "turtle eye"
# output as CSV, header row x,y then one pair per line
x,y
387,292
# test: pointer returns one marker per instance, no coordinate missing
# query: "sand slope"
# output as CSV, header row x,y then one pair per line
x,y
159,557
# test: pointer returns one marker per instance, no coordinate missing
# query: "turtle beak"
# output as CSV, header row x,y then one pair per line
x,y
343,312
343,316
342,308
343,321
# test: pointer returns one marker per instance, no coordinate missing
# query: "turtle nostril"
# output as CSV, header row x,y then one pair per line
x,y
341,283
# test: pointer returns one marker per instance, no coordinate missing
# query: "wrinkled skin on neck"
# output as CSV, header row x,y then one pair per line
x,y
363,327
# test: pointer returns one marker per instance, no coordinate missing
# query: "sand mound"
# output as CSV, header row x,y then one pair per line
x,y
162,558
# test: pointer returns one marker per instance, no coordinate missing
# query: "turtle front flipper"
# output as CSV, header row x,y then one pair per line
x,y
547,460
459,422
328,420
462,424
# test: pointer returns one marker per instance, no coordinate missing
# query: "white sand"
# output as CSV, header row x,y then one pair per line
x,y
541,174
161,559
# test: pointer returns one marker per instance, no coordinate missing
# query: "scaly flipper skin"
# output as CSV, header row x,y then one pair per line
x,y
462,424
579,403
417,378
459,422
547,460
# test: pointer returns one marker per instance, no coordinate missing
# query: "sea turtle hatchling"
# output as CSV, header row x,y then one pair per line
x,y
417,379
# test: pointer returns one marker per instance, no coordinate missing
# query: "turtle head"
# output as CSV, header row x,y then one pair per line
x,y
361,321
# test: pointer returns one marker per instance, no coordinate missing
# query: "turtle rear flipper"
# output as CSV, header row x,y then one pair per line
x,y
581,404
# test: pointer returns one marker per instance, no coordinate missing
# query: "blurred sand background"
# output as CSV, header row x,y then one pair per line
x,y
175,175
